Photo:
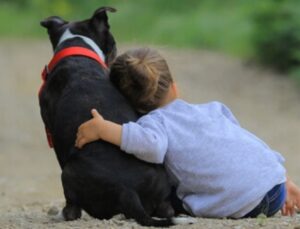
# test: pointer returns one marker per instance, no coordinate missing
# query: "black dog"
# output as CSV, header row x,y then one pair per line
x,y
100,179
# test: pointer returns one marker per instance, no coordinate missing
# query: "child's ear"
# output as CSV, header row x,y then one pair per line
x,y
174,89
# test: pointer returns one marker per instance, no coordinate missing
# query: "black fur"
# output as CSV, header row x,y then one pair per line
x,y
100,178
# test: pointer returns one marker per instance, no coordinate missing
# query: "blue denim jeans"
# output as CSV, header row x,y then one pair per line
x,y
271,203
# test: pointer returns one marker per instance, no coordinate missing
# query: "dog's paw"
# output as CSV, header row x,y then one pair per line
x,y
71,212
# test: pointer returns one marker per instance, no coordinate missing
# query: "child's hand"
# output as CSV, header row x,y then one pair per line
x,y
90,130
292,202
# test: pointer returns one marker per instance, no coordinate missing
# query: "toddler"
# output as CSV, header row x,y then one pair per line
x,y
219,168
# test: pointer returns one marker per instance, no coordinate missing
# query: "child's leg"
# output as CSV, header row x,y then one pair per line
x,y
292,201
271,203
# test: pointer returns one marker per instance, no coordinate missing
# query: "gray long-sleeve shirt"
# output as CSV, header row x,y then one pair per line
x,y
221,169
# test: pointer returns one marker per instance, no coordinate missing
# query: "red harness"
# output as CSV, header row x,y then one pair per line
x,y
66,52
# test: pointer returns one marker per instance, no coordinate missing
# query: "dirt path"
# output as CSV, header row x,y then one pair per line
x,y
265,103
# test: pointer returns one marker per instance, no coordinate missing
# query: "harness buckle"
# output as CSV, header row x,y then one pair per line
x,y
45,72
47,69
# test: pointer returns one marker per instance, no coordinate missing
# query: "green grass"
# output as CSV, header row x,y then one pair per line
x,y
205,25
195,24
15,23
226,26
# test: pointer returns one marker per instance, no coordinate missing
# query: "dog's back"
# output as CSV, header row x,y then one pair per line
x,y
100,178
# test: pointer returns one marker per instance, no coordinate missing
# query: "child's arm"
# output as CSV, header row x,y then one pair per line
x,y
98,128
146,139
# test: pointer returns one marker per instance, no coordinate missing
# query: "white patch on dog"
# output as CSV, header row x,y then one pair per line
x,y
68,35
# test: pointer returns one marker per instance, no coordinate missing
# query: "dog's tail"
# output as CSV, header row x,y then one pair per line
x,y
151,222
132,208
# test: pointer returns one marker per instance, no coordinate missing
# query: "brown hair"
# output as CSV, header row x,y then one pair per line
x,y
143,76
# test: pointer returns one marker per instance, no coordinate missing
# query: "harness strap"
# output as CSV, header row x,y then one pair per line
x,y
71,51
66,52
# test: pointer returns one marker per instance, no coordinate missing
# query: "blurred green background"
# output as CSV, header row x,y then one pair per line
x,y
267,31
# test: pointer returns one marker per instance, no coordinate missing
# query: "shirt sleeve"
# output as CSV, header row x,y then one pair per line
x,y
146,139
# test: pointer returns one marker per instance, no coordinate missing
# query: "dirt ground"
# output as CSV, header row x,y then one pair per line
x,y
30,191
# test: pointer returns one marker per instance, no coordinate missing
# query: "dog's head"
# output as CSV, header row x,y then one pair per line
x,y
95,28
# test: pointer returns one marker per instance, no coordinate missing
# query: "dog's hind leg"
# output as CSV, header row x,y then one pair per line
x,y
131,207
71,211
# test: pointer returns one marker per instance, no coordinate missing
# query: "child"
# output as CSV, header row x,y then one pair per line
x,y
219,168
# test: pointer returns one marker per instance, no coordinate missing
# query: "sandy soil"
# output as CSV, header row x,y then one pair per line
x,y
30,191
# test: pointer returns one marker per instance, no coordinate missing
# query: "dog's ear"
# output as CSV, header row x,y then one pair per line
x,y
101,12
101,33
53,22
55,28
100,17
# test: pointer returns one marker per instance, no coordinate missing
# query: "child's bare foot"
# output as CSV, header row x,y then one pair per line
x,y
292,202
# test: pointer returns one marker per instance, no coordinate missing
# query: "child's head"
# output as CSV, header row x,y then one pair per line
x,y
143,76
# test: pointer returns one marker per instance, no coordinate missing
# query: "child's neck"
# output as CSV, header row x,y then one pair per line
x,y
171,95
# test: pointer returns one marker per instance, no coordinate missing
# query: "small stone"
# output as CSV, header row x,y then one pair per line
x,y
261,216
119,217
53,211
237,227
261,219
